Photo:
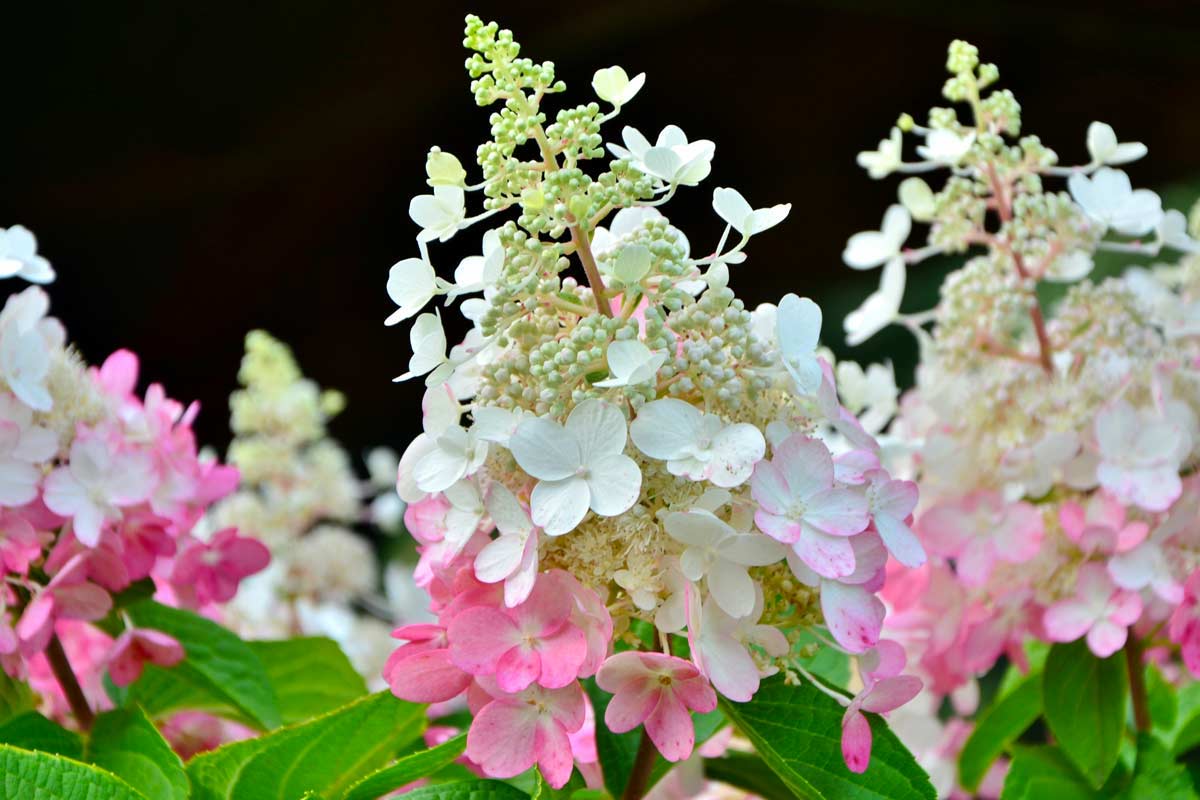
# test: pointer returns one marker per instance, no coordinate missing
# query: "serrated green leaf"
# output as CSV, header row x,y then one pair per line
x,y
310,675
15,697
26,775
1157,775
1043,772
126,743
468,790
325,755
407,769
747,771
32,731
1085,701
998,727
797,732
220,671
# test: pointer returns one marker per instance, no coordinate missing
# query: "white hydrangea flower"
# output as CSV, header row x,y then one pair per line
x,y
438,214
719,553
881,308
19,256
579,465
1173,232
870,393
1104,148
672,158
464,517
696,445
24,447
872,248
885,159
733,208
1110,200
797,331
411,284
613,85
946,147
443,454
631,363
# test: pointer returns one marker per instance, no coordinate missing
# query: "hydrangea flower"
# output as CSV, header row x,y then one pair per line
x,y
872,248
696,445
1108,198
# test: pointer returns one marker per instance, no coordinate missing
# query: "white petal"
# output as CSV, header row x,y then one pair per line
x,y
735,451
733,208
599,428
731,588
697,528
667,428
499,558
544,450
751,550
411,284
614,482
559,506
506,511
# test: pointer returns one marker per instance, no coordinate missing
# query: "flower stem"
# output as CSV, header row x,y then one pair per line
x,y
1137,683
60,665
643,765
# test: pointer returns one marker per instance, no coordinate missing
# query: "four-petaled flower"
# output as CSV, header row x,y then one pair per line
x,y
578,465
98,481
1099,609
659,691
696,445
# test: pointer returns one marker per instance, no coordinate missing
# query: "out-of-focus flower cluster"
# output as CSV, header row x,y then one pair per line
x,y
640,450
100,488
299,491
1054,443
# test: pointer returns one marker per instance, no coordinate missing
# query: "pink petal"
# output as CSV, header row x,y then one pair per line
x,y
619,669
1105,638
631,705
696,693
853,615
842,512
781,529
828,556
769,488
856,742
552,747
670,728
891,693
427,677
562,655
1067,620
806,465
503,738
518,667
479,637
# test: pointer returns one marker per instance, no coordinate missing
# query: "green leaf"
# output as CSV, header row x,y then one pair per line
x,y
1085,701
747,771
467,790
797,731
407,770
310,675
26,775
324,755
220,671
32,731
15,697
1157,775
998,727
1037,773
126,743
617,751
1160,695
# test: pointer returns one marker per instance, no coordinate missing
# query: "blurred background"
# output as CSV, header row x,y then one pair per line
x,y
196,170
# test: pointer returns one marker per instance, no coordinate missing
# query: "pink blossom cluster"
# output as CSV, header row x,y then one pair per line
x,y
100,489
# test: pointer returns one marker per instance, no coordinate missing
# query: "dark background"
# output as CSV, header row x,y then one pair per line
x,y
195,170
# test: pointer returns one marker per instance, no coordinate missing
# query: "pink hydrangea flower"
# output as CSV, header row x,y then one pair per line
x,y
531,642
656,690
981,529
1184,627
209,572
1099,609
801,505
20,543
513,731
135,648
68,595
